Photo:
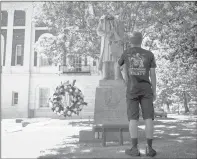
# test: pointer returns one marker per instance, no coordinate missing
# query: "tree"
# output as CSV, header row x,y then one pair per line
x,y
168,29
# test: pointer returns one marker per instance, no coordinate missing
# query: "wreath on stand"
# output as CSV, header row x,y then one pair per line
x,y
76,100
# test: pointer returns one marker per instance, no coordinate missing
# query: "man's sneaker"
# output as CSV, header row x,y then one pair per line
x,y
150,151
132,152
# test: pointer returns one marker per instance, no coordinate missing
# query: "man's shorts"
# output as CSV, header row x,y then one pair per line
x,y
146,103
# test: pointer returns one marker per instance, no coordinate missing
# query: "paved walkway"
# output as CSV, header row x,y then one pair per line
x,y
52,138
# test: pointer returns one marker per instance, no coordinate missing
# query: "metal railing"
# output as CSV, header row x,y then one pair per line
x,y
75,69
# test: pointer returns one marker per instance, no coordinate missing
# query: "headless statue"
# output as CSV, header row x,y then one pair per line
x,y
111,31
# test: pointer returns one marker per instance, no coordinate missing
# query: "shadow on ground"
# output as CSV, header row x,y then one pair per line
x,y
81,123
172,139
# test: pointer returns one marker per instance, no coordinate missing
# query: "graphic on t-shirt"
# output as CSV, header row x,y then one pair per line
x,y
136,65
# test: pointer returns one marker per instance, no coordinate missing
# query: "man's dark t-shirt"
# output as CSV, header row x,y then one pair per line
x,y
138,62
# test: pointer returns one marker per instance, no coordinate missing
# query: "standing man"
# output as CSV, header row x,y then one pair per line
x,y
139,66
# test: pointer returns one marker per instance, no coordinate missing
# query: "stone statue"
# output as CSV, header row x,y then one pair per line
x,y
111,31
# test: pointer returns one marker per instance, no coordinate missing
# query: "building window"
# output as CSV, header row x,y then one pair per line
x,y
77,63
19,18
4,18
14,98
43,97
18,59
18,47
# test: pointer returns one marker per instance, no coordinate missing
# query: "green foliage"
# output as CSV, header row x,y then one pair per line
x,y
168,29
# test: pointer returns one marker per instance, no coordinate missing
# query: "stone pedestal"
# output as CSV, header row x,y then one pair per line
x,y
110,108
110,103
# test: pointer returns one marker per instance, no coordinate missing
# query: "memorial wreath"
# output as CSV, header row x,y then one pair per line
x,y
58,102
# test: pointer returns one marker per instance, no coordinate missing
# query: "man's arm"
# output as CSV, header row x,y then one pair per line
x,y
122,68
121,60
153,81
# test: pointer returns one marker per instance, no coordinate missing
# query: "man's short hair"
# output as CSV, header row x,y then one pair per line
x,y
136,38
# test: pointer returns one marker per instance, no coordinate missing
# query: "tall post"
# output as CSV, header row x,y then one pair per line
x,y
0,62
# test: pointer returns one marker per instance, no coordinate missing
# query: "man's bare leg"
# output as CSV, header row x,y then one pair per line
x,y
149,128
133,130
149,136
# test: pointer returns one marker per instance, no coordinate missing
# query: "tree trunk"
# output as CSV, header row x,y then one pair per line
x,y
185,102
64,59
168,106
64,49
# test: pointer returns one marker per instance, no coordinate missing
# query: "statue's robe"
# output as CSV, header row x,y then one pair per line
x,y
111,32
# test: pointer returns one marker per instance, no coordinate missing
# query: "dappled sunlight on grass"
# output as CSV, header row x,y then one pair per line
x,y
84,123
72,149
188,129
191,124
180,141
168,121
51,152
142,127
159,132
174,134
171,127
171,132
121,151
86,150
142,152
160,137
159,126
186,137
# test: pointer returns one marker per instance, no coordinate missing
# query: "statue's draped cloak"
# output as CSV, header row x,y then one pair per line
x,y
111,46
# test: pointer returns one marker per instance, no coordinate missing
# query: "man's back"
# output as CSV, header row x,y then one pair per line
x,y
138,62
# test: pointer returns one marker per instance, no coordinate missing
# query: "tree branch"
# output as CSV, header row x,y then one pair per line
x,y
136,15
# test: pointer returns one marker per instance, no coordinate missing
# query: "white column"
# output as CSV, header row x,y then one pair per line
x,y
27,42
32,45
9,39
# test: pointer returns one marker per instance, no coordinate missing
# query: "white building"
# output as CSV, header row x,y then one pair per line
x,y
28,79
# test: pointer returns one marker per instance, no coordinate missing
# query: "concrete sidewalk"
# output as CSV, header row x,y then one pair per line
x,y
10,125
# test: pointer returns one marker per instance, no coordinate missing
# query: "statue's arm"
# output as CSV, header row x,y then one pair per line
x,y
121,60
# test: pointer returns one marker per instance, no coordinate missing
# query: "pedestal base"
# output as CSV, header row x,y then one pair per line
x,y
110,103
88,136
110,108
